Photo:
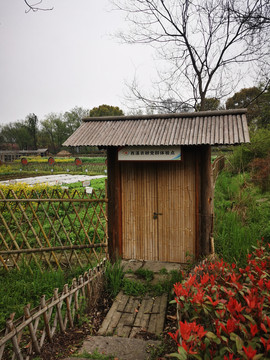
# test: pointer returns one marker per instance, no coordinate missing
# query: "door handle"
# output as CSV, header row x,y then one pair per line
x,y
155,215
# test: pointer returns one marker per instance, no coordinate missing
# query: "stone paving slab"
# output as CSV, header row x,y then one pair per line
x,y
119,347
52,179
154,266
132,265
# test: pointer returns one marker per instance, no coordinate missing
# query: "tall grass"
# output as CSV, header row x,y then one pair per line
x,y
242,216
114,274
17,289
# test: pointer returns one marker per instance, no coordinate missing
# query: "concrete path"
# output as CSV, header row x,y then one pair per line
x,y
52,179
117,347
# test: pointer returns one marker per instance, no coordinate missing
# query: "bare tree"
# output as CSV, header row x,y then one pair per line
x,y
207,45
35,6
257,13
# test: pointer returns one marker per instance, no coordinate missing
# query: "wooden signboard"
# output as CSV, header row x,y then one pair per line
x,y
149,153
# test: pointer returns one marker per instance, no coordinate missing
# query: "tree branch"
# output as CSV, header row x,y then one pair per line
x,y
35,7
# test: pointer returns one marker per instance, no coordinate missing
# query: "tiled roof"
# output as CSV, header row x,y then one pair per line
x,y
208,127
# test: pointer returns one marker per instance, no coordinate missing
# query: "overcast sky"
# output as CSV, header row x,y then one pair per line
x,y
52,61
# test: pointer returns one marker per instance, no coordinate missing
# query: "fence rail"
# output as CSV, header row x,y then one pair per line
x,y
25,337
52,229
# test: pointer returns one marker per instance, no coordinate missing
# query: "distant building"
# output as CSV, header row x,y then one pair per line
x,y
63,153
11,155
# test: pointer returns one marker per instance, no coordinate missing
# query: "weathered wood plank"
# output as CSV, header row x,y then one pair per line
x,y
114,315
127,319
108,319
146,313
154,314
162,313
137,326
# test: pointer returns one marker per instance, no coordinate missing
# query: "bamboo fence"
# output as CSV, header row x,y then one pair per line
x,y
59,229
22,339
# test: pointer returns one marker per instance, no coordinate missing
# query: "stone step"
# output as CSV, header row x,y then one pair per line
x,y
118,347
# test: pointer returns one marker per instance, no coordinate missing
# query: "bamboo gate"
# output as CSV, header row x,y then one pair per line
x,y
51,229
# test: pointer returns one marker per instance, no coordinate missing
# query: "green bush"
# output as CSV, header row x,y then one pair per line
x,y
259,147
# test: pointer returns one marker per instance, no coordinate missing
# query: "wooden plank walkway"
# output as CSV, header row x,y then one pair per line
x,y
129,315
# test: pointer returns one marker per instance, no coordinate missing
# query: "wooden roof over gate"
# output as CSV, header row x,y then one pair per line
x,y
197,128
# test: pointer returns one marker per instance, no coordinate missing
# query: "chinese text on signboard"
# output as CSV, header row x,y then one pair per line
x,y
149,153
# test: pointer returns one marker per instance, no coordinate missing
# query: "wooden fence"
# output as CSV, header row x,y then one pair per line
x,y
52,228
22,339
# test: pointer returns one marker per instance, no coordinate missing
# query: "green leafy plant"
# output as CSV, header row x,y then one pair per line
x,y
135,287
224,310
145,274
114,274
163,271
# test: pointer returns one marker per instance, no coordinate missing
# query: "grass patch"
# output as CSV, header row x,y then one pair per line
x,y
145,274
97,184
135,287
19,289
242,216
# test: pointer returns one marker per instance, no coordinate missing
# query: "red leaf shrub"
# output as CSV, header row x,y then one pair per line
x,y
225,310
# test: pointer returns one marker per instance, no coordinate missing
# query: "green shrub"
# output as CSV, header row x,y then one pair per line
x,y
134,287
258,147
145,274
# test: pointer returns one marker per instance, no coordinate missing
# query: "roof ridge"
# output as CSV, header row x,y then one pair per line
x,y
167,116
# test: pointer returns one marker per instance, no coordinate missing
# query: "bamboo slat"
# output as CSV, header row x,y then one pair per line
x,y
56,230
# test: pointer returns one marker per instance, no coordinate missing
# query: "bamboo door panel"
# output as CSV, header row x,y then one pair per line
x,y
167,189
139,201
176,203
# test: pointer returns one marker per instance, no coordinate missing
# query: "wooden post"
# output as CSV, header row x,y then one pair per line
x,y
31,330
198,206
14,340
76,304
58,309
45,318
69,315
114,204
206,199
